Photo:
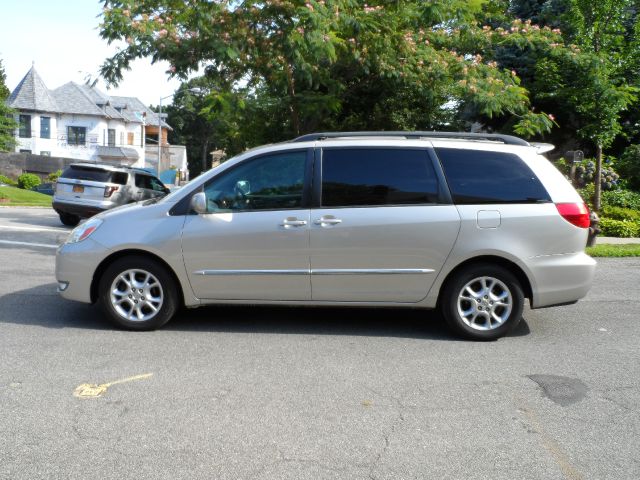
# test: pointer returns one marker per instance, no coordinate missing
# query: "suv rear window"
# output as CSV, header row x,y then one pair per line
x,y
478,177
95,175
354,177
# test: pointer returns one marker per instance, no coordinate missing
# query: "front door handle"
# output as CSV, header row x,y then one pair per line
x,y
329,220
293,222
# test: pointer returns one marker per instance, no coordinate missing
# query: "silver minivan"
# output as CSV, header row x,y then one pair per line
x,y
471,224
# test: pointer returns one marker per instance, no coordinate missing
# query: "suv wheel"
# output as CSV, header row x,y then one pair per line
x,y
482,302
69,220
137,293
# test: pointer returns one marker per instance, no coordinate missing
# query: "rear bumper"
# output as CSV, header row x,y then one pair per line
x,y
83,211
561,279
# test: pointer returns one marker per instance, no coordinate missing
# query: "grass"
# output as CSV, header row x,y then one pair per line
x,y
16,197
608,250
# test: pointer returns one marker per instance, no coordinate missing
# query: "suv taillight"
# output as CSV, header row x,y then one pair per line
x,y
575,213
108,191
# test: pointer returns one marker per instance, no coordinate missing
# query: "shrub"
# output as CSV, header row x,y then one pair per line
x,y
7,180
28,181
620,213
619,228
586,170
621,198
629,166
53,177
587,194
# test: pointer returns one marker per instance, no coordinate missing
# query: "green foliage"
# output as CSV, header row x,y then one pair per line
x,y
621,198
7,121
338,64
620,213
53,176
8,181
587,194
608,250
619,228
629,166
27,181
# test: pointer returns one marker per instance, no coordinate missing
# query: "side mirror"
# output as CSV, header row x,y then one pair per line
x,y
199,203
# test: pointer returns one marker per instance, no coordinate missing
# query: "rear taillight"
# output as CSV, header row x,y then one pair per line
x,y
575,213
108,191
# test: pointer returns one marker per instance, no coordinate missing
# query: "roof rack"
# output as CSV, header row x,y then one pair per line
x,y
494,137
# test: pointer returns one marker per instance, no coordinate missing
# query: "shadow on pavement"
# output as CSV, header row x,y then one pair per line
x,y
42,306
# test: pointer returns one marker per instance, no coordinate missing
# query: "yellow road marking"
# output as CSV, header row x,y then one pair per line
x,y
91,390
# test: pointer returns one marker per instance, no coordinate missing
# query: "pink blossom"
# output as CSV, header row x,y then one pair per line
x,y
551,117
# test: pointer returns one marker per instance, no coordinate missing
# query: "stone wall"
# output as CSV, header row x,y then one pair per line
x,y
15,164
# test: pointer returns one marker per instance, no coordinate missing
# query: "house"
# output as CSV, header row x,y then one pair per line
x,y
80,122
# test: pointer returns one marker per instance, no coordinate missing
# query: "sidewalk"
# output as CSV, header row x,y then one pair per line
x,y
615,241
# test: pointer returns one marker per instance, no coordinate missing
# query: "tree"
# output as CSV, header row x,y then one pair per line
x,y
7,121
333,63
604,29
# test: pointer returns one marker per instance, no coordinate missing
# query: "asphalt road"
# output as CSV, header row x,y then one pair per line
x,y
293,393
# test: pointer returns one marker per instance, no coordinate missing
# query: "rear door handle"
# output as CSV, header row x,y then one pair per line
x,y
293,222
327,221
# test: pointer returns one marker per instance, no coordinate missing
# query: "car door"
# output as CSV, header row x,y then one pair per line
x,y
383,225
252,244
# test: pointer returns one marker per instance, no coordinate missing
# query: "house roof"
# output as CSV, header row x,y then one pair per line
x,y
133,104
32,94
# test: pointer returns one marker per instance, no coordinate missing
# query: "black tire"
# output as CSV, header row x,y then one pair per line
x,y
69,220
168,293
487,327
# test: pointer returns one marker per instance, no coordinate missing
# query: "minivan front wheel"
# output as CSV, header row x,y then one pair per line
x,y
137,293
482,302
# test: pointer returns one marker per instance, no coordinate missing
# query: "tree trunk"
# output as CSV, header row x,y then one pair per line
x,y
203,156
293,107
597,194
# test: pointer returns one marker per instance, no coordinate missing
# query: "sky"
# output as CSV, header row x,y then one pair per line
x,y
61,38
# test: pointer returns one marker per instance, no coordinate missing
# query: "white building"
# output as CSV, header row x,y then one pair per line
x,y
80,122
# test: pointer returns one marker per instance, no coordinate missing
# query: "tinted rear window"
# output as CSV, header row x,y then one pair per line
x,y
377,176
95,175
477,177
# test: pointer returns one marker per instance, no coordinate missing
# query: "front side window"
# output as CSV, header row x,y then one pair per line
x,y
25,126
271,182
45,127
481,177
76,135
354,177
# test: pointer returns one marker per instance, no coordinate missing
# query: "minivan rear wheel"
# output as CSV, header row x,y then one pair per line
x,y
69,219
137,293
482,302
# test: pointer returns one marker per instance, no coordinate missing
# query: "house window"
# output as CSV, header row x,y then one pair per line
x,y
45,127
130,138
25,126
25,151
121,138
76,135
111,137
45,153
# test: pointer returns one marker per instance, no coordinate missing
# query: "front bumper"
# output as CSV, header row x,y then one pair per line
x,y
560,279
76,264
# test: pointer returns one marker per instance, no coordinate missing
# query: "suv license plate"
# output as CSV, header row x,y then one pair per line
x,y
78,189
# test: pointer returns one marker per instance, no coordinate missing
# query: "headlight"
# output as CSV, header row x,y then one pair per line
x,y
84,230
